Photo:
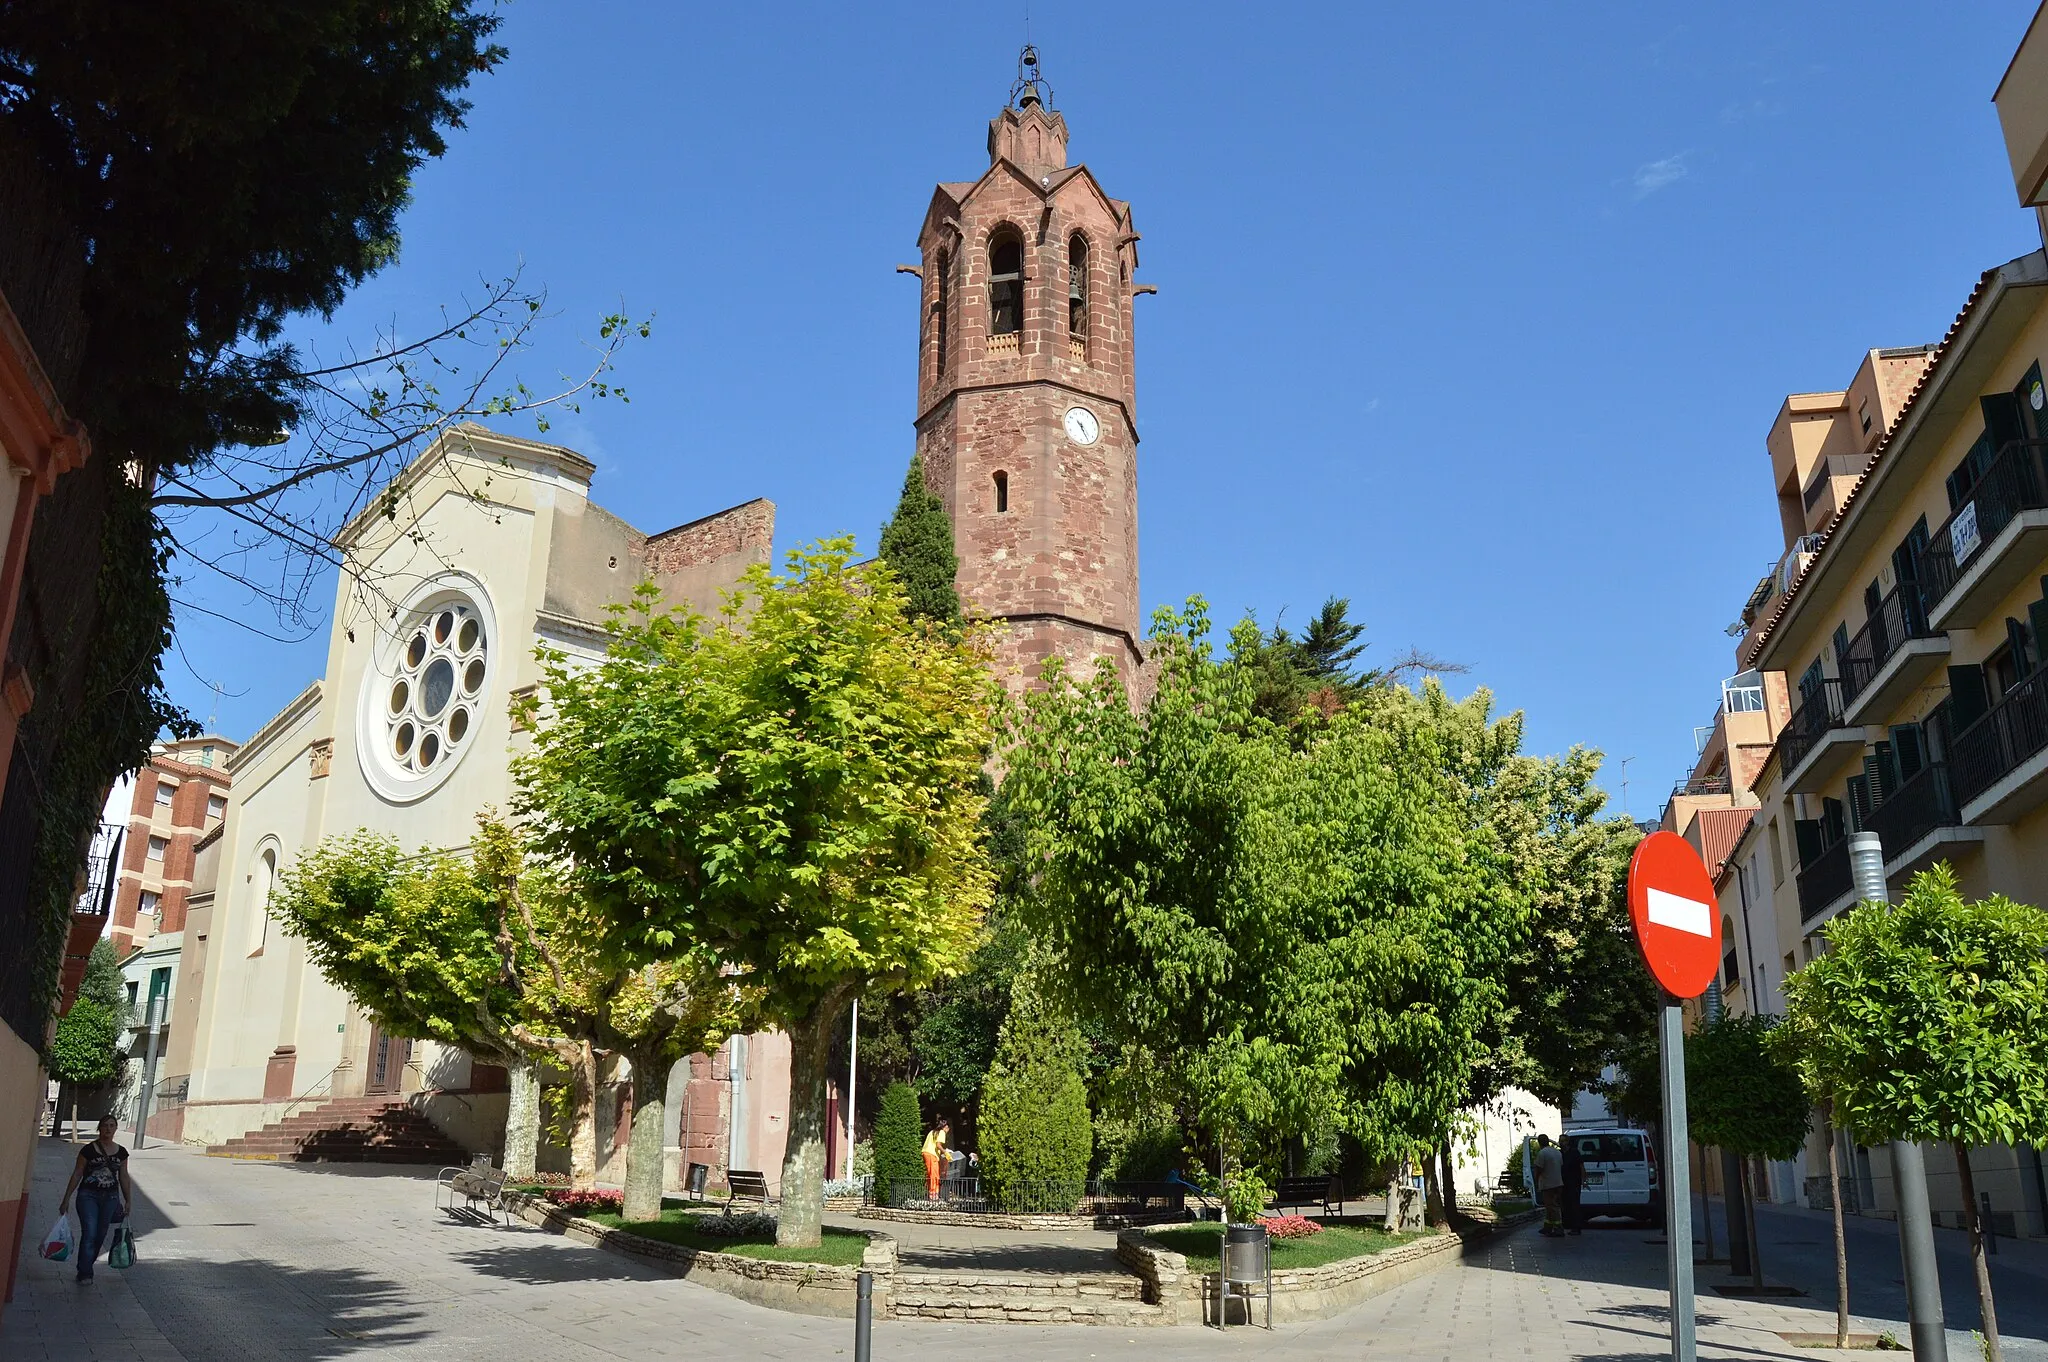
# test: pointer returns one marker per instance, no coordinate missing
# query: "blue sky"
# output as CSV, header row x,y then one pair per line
x,y
1473,314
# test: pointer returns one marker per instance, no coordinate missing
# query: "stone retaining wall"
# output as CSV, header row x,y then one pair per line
x,y
1298,1293
1019,1222
804,1288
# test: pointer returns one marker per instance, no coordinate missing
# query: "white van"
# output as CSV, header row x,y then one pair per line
x,y
1621,1173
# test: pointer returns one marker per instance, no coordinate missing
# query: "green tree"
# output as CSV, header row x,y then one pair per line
x,y
1928,1022
1035,1136
795,791
917,544
1742,1097
85,1049
898,1142
1301,926
421,943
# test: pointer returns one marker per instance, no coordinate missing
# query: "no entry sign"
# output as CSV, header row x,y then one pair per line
x,y
1677,921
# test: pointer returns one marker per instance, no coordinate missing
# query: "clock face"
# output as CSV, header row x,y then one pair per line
x,y
1082,427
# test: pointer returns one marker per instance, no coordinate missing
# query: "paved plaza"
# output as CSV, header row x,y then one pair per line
x,y
253,1262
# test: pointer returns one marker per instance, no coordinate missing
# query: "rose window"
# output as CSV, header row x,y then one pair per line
x,y
435,686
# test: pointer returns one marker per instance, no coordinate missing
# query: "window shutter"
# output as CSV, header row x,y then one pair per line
x,y
1806,832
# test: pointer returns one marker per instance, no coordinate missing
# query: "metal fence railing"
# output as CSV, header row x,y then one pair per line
x,y
982,1196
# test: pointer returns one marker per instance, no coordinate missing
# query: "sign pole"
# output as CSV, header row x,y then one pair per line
x,y
1677,919
1677,1183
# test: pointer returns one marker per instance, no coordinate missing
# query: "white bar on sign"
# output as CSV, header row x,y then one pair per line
x,y
1681,914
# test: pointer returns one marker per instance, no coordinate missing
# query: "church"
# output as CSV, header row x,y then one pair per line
x,y
487,546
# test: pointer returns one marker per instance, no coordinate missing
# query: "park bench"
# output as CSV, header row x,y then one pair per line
x,y
476,1185
1321,1190
743,1185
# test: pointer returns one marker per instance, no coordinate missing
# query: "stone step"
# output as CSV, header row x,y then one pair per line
x,y
347,1129
1031,1300
1032,1285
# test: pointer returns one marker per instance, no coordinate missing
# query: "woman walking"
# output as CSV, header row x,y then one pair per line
x,y
100,1180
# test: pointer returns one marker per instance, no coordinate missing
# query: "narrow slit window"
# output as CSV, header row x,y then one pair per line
x,y
1077,287
1002,492
1005,285
942,308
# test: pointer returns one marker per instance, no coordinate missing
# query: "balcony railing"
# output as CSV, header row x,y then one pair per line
x,y
1925,802
1825,880
2016,481
1718,784
1898,617
2012,730
1818,711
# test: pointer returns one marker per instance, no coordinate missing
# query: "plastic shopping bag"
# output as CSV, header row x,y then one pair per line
x,y
122,1254
57,1243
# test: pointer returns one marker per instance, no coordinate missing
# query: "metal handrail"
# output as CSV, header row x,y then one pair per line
x,y
311,1092
1817,712
1925,801
2007,734
1898,617
2016,480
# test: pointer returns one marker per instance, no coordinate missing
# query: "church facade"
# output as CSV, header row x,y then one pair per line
x,y
487,546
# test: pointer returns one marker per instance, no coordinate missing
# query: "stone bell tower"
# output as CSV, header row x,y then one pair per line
x,y
1025,400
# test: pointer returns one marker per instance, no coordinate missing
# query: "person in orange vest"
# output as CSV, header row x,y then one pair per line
x,y
935,1157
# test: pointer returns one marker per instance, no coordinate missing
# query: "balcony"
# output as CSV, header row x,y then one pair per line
x,y
1826,883
1889,657
1999,761
1818,742
1995,540
1920,821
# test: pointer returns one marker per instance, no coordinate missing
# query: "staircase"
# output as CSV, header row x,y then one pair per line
x,y
1113,1298
348,1130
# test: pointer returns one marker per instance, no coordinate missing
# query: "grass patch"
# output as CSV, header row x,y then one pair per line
x,y
840,1248
1340,1239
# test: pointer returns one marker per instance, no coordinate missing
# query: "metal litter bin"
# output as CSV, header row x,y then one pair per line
x,y
1247,1271
699,1174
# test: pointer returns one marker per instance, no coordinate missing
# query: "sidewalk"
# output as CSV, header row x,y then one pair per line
x,y
251,1262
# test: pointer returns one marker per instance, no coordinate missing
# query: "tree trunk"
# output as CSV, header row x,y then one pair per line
x,y
1841,1236
1432,1193
583,1105
1732,1210
522,1118
1975,1222
1447,1176
1392,1224
1706,1205
1756,1250
644,1146
801,1224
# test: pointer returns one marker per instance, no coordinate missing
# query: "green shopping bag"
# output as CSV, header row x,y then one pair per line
x,y
122,1254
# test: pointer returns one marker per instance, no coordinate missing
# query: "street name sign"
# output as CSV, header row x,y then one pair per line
x,y
1678,923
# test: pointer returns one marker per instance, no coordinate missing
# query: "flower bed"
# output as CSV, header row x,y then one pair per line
x,y
1331,1242
1290,1226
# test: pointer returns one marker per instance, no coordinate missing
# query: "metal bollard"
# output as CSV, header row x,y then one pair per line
x,y
1984,1222
863,1317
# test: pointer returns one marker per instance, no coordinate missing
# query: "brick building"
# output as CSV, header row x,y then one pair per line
x,y
181,796
1026,400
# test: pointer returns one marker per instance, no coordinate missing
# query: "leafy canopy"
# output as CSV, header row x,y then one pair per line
x,y
793,789
1308,929
86,1046
1739,1095
1929,1021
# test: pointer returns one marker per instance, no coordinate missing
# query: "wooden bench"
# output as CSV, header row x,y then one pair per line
x,y
1322,1191
744,1185
476,1185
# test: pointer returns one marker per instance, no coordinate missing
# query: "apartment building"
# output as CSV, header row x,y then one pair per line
x,y
179,797
1913,628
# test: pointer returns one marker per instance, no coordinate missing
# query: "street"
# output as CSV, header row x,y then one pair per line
x,y
254,1261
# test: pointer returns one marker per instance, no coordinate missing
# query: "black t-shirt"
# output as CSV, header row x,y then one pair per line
x,y
102,1170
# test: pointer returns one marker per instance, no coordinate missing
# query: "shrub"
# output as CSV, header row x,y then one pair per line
x,y
1290,1226
1035,1135
1144,1150
898,1140
745,1225
598,1200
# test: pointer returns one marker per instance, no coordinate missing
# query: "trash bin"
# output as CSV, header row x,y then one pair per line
x,y
699,1174
1247,1270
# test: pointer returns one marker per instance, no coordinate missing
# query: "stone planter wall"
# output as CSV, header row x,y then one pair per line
x,y
1298,1293
804,1288
1018,1222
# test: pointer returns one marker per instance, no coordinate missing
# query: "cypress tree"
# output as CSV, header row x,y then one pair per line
x,y
917,544
899,1143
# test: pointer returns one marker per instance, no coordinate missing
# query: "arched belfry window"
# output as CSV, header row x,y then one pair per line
x,y
1077,290
1002,481
1005,284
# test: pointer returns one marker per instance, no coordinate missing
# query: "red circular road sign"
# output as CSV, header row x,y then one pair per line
x,y
1677,918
